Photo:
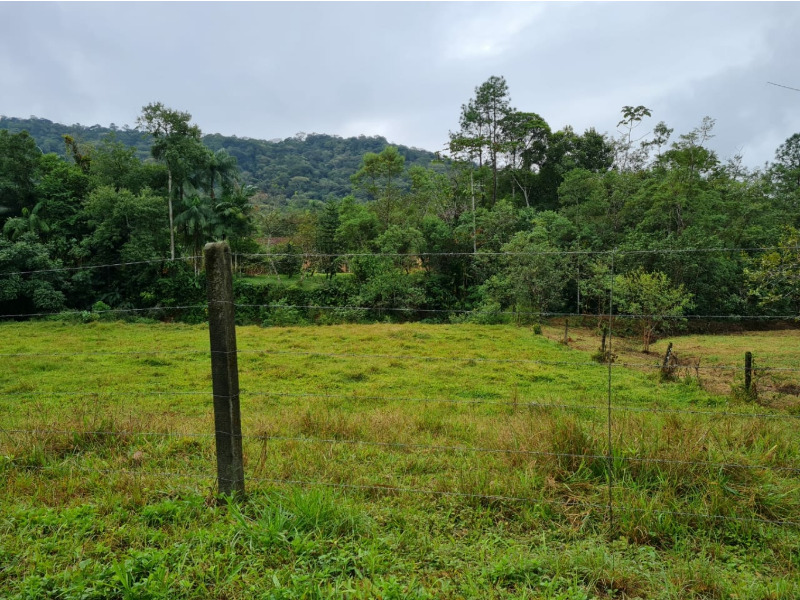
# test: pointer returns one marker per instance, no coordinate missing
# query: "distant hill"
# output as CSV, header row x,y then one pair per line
x,y
48,135
312,166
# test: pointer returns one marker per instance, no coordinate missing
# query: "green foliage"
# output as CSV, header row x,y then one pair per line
x,y
282,314
513,186
402,245
117,165
785,177
22,293
326,242
358,226
19,159
289,261
379,178
530,277
125,227
653,299
774,277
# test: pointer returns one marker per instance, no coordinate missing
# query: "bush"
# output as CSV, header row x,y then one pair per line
x,y
281,314
488,313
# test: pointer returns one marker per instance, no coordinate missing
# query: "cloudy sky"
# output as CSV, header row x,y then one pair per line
x,y
403,70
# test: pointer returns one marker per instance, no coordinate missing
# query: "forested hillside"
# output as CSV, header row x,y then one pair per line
x,y
520,221
304,167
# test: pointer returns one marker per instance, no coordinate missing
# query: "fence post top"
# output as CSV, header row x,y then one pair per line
x,y
214,245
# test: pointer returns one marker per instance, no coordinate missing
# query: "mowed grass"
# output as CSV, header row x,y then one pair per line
x,y
391,461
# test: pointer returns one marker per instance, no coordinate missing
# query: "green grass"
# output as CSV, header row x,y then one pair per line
x,y
358,417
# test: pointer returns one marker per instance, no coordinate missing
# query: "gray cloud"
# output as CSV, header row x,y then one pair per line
x,y
403,70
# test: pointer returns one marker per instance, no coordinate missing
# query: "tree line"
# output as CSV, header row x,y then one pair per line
x,y
303,170
514,220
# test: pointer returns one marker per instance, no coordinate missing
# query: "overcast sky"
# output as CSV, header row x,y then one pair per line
x,y
403,70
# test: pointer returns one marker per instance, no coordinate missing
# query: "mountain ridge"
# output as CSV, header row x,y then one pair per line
x,y
309,166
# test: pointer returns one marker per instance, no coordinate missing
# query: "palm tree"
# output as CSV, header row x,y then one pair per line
x,y
233,211
222,167
29,222
197,221
176,143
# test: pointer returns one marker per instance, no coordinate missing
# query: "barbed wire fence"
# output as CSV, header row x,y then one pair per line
x,y
612,463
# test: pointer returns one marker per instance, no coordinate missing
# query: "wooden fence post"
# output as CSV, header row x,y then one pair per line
x,y
224,369
748,371
666,366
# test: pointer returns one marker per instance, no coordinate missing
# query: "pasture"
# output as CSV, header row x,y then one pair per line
x,y
397,461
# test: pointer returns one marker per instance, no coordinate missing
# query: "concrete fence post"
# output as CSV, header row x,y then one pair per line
x,y
224,369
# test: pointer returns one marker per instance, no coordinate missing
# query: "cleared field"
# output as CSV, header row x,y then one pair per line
x,y
394,461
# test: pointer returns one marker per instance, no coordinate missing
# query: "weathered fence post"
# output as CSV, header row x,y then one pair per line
x,y
748,371
224,369
666,367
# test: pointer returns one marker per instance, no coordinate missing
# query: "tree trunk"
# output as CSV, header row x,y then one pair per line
x,y
474,232
494,179
196,258
171,226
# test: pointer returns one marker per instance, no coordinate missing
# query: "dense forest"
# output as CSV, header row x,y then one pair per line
x,y
300,170
516,221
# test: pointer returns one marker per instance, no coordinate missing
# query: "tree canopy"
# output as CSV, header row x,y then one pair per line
x,y
517,220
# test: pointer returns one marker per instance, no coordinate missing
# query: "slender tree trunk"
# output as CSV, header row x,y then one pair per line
x,y
494,179
196,258
171,226
521,189
474,231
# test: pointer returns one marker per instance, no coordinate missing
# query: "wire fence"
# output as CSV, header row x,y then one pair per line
x,y
616,448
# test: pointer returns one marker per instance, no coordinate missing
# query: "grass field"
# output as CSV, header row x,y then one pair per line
x,y
396,461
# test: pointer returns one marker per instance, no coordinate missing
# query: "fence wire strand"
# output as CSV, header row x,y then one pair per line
x,y
154,261
617,252
312,255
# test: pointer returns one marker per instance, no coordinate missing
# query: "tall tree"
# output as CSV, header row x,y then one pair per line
x,y
219,167
492,100
176,142
379,176
628,157
115,164
327,247
785,175
526,137
19,162
197,221
482,125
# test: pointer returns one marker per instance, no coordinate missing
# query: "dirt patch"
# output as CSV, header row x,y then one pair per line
x,y
792,389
